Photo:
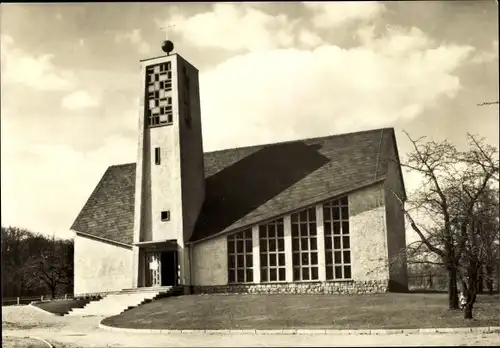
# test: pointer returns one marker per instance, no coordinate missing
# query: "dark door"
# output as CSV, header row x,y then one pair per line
x,y
169,268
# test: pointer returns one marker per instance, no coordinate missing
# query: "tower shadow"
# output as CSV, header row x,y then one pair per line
x,y
240,188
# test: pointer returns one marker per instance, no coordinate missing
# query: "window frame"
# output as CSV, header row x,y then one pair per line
x,y
272,236
234,254
305,253
337,234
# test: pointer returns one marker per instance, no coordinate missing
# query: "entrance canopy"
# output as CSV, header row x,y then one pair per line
x,y
166,244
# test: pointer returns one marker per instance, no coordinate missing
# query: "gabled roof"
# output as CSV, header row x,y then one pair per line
x,y
109,212
250,184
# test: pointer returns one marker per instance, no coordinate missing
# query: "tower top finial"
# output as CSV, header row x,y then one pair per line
x,y
167,45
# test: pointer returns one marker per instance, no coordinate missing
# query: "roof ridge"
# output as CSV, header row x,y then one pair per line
x,y
378,153
283,142
305,139
122,164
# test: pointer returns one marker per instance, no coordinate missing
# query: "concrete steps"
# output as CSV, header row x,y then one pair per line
x,y
115,304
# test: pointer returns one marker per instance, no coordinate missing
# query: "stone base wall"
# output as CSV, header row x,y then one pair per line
x,y
94,295
345,287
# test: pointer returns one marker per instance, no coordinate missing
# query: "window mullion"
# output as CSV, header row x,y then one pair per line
x,y
255,254
288,249
320,243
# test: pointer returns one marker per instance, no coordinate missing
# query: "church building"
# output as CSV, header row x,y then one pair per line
x,y
306,216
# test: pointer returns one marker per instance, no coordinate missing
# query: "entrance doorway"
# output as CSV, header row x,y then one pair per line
x,y
161,268
169,273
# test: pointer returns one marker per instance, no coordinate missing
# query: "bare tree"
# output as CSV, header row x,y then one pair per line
x,y
436,163
489,230
475,210
484,159
453,182
476,243
488,103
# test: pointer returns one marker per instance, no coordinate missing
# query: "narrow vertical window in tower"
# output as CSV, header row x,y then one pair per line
x,y
186,98
157,155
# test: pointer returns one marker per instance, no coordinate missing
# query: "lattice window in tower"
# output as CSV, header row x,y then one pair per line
x,y
159,94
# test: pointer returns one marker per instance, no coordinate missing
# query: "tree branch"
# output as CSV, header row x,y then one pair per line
x,y
416,228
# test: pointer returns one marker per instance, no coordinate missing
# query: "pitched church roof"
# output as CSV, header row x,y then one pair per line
x,y
250,184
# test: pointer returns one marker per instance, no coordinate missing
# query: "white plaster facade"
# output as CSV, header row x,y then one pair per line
x,y
100,266
210,262
177,183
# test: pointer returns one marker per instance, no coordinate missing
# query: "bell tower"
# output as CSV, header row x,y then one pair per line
x,y
170,181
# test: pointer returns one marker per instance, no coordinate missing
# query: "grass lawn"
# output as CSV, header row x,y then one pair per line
x,y
61,307
389,311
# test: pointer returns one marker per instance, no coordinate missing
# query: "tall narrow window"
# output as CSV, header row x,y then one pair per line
x,y
304,245
240,259
337,239
187,109
272,252
157,155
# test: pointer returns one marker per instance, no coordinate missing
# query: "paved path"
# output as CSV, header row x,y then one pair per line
x,y
84,332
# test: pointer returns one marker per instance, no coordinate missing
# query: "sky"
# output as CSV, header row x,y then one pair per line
x,y
269,72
